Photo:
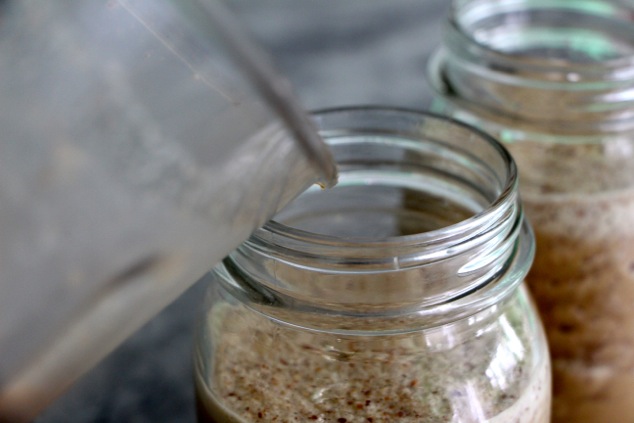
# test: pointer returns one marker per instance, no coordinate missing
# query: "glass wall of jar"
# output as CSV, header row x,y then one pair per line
x,y
396,296
554,80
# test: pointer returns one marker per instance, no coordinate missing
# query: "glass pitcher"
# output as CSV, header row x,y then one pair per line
x,y
140,144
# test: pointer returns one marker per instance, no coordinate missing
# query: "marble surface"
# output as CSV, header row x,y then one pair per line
x,y
336,53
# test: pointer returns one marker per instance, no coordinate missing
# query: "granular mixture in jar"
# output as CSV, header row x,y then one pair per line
x,y
583,274
269,372
583,282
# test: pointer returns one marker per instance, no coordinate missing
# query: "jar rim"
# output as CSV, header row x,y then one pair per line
x,y
431,245
428,277
617,68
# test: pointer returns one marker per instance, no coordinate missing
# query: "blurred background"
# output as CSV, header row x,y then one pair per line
x,y
335,53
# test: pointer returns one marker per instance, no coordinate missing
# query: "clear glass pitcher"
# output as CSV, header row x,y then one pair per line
x,y
140,144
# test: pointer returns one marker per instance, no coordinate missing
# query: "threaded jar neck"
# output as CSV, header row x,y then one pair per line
x,y
425,221
564,66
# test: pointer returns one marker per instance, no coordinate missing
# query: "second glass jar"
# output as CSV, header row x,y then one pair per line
x,y
395,296
554,80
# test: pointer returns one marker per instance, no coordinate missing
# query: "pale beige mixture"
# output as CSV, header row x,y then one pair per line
x,y
580,202
270,373
583,282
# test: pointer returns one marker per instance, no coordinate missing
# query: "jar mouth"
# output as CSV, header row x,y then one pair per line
x,y
470,157
558,40
400,171
551,66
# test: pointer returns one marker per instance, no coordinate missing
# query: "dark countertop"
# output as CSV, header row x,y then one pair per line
x,y
336,53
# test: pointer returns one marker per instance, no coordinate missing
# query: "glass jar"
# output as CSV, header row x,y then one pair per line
x,y
395,296
554,80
